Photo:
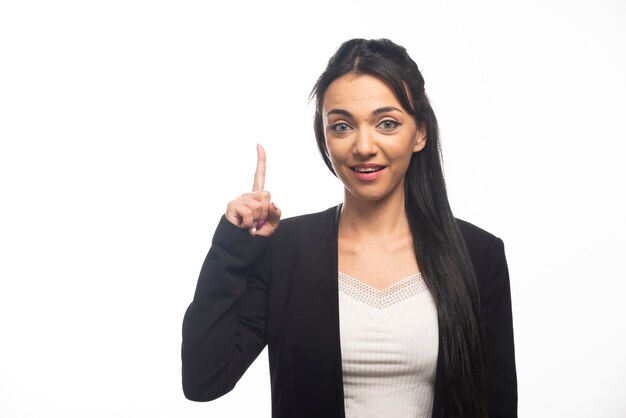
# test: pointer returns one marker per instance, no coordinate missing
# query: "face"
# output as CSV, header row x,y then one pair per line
x,y
370,137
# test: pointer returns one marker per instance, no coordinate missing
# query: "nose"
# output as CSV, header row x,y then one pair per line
x,y
365,144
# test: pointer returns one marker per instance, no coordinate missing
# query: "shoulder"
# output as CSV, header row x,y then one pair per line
x,y
309,218
475,236
318,224
484,247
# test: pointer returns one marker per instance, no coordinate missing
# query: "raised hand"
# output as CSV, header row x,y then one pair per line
x,y
255,211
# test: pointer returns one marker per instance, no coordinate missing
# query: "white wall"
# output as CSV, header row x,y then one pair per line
x,y
127,126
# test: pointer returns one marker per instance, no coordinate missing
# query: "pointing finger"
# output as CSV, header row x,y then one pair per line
x,y
259,175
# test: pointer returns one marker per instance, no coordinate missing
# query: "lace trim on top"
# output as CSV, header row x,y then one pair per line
x,y
380,299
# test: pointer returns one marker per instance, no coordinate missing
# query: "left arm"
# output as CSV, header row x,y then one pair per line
x,y
498,321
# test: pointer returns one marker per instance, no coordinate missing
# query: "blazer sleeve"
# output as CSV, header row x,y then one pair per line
x,y
224,327
500,355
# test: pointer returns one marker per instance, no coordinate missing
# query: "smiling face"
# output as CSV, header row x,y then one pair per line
x,y
370,137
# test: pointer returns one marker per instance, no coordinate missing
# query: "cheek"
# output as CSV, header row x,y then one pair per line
x,y
402,158
336,150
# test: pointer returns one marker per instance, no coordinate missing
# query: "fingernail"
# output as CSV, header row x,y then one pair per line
x,y
253,231
274,206
260,223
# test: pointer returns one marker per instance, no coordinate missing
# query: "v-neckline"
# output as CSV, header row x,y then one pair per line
x,y
389,288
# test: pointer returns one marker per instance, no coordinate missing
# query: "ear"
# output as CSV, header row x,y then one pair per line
x,y
420,138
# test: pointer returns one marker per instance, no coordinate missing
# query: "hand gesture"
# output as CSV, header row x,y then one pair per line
x,y
255,211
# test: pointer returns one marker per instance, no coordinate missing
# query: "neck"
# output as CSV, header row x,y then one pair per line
x,y
380,219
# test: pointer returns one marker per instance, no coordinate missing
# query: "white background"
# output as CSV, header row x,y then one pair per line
x,y
127,126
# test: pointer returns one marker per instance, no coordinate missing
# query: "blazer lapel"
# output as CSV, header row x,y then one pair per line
x,y
330,276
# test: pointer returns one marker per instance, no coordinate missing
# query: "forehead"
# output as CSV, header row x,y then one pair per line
x,y
358,94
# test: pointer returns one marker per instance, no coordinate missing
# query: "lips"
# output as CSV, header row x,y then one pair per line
x,y
367,172
367,168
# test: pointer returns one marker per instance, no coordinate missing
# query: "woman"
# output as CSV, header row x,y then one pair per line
x,y
385,305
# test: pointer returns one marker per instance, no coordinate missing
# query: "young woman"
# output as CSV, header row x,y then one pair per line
x,y
385,305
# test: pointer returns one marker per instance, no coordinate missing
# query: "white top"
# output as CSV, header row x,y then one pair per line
x,y
389,347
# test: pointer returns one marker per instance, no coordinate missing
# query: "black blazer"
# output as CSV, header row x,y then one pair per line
x,y
282,291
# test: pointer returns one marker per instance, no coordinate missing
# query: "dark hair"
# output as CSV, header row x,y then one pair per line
x,y
438,244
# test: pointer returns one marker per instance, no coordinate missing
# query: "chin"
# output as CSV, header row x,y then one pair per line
x,y
367,197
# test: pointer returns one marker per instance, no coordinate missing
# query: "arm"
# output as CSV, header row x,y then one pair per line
x,y
496,303
224,327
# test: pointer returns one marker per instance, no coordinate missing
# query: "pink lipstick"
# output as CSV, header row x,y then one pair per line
x,y
367,172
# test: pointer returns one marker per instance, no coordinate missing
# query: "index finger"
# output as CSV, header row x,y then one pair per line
x,y
259,175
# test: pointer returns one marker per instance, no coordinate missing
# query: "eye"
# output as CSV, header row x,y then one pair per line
x,y
388,125
340,127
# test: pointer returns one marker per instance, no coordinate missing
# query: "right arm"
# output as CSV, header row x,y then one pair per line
x,y
224,327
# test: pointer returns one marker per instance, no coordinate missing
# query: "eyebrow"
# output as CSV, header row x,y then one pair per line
x,y
374,113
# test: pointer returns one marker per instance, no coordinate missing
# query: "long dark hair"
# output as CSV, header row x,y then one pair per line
x,y
439,247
